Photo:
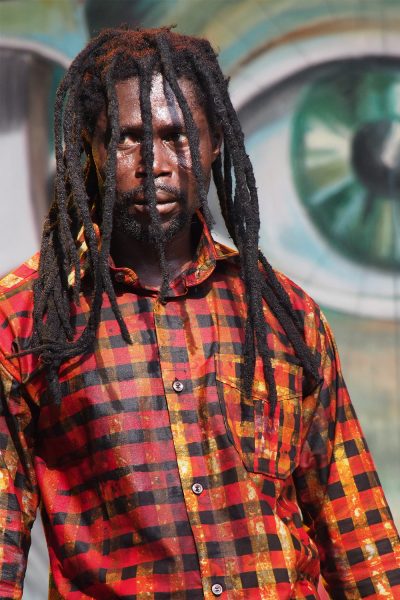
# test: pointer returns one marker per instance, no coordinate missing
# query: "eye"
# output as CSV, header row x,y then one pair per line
x,y
325,147
128,139
176,137
346,160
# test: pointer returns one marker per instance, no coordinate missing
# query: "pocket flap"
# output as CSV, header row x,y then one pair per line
x,y
229,370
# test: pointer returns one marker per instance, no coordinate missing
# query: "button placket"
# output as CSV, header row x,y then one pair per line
x,y
177,381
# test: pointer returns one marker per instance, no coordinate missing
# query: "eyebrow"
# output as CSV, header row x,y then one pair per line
x,y
138,129
129,128
174,120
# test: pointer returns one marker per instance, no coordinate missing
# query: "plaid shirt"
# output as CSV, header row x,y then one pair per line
x,y
159,479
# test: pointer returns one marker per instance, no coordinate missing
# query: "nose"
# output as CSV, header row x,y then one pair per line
x,y
161,162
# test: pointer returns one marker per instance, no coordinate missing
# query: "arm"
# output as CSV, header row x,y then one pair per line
x,y
340,493
18,488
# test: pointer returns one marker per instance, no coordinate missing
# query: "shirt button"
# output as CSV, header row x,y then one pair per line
x,y
177,386
217,589
197,488
119,277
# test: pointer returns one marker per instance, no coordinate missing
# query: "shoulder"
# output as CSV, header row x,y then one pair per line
x,y
21,277
308,316
299,298
317,332
16,308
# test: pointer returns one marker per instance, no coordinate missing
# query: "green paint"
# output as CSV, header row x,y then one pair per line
x,y
57,23
345,159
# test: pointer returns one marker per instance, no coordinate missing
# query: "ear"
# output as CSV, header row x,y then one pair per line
x,y
217,137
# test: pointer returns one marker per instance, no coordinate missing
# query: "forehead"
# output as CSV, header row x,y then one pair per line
x,y
162,99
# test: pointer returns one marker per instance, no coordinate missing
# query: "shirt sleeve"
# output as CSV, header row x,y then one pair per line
x,y
340,494
18,487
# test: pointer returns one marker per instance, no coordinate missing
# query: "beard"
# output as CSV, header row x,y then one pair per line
x,y
125,222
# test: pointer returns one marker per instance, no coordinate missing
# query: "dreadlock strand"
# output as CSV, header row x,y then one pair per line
x,y
287,316
62,125
73,167
65,233
280,292
41,293
73,154
246,238
306,356
229,118
222,194
108,205
193,134
248,225
146,75
232,147
72,132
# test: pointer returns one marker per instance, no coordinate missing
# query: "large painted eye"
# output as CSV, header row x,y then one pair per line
x,y
345,156
324,141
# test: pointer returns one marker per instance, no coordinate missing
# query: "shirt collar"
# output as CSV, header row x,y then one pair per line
x,y
207,254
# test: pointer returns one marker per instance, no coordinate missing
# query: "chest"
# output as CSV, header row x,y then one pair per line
x,y
180,381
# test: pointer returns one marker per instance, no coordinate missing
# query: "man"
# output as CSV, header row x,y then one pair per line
x,y
177,406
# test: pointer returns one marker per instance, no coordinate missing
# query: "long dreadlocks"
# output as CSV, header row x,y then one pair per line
x,y
87,89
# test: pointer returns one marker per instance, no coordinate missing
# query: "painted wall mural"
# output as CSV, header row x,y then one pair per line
x,y
317,87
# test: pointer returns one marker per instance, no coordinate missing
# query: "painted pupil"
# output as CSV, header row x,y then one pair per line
x,y
376,158
346,160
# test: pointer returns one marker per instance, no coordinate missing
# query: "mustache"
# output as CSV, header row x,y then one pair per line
x,y
139,193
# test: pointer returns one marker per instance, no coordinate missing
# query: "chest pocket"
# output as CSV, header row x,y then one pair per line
x,y
267,444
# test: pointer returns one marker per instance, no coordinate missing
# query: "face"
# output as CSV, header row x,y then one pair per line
x,y
176,186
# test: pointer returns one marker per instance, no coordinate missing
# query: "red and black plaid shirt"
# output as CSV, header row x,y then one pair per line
x,y
159,480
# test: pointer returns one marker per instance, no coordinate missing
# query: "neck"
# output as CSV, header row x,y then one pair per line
x,y
143,258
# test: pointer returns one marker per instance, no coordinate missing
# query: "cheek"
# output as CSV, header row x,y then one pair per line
x,y
180,160
126,168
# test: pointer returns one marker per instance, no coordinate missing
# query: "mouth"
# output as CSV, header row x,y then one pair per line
x,y
165,203
169,202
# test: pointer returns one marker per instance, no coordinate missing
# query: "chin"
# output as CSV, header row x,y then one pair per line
x,y
145,231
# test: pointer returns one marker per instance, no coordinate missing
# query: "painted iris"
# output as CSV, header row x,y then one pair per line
x,y
346,159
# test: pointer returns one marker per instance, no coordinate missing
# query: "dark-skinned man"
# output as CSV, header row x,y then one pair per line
x,y
176,406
